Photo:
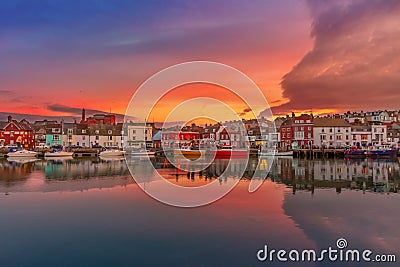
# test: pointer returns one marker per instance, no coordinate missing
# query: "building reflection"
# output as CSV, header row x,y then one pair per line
x,y
381,175
42,175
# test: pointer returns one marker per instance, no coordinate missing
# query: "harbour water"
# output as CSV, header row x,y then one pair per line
x,y
90,212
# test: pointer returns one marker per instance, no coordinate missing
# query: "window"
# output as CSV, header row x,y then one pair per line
x,y
110,138
133,131
97,132
56,137
97,137
109,131
83,131
70,131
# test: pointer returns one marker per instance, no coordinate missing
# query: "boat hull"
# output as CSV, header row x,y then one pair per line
x,y
355,154
392,153
58,154
192,154
276,154
19,154
141,154
230,153
114,153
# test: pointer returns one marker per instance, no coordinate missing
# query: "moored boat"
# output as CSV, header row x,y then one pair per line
x,y
22,154
52,154
355,153
141,153
276,153
188,152
112,153
381,152
229,152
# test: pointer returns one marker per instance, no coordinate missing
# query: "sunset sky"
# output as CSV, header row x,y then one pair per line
x,y
324,56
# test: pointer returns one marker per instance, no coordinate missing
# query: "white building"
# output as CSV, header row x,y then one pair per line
x,y
379,134
84,135
361,136
139,134
331,132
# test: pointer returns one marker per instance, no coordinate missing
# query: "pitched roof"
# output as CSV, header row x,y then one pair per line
x,y
330,122
3,124
20,125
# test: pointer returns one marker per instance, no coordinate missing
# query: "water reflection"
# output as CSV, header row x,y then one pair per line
x,y
380,175
123,226
42,175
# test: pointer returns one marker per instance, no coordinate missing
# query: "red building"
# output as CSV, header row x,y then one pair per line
x,y
286,134
108,119
302,128
16,133
174,139
297,132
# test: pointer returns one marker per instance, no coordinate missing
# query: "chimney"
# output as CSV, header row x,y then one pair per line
x,y
83,115
9,118
293,115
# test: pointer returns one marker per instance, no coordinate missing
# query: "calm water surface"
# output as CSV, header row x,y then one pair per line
x,y
91,213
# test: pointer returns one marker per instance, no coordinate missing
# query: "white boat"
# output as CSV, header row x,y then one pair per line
x,y
112,153
112,158
58,154
141,153
22,154
276,153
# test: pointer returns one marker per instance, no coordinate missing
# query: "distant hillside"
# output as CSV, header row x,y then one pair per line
x,y
33,117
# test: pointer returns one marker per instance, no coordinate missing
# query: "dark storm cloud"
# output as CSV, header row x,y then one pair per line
x,y
71,110
355,61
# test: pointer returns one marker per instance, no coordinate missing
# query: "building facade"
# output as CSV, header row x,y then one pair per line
x,y
16,133
331,132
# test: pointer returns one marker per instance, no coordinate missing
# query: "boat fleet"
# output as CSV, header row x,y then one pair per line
x,y
377,151
62,153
